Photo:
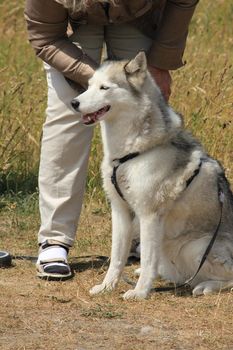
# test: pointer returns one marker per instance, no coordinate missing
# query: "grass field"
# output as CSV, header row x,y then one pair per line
x,y
41,315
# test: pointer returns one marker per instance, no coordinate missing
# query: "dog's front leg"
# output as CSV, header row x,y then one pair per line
x,y
151,232
121,240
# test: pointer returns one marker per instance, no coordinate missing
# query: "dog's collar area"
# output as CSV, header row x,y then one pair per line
x,y
121,161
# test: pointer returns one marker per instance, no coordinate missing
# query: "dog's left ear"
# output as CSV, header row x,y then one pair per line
x,y
136,69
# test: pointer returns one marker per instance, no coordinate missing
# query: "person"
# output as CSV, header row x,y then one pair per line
x,y
68,35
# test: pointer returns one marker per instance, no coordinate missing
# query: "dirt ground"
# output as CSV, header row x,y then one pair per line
x,y
47,315
37,314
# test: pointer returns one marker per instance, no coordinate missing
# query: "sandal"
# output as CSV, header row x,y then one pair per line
x,y
52,264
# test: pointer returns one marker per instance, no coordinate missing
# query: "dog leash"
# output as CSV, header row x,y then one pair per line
x,y
6,258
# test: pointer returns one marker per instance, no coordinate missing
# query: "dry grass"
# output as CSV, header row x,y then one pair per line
x,y
22,102
202,92
42,315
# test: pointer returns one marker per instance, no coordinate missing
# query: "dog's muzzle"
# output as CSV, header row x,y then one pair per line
x,y
92,118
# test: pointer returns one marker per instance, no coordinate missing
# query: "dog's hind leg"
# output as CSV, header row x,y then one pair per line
x,y
121,240
217,272
209,287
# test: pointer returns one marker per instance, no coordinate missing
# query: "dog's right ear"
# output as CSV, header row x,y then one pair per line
x,y
136,70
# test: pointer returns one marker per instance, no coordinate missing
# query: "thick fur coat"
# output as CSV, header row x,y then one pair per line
x,y
171,189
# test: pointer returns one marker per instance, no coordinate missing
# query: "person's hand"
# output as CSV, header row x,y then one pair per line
x,y
163,79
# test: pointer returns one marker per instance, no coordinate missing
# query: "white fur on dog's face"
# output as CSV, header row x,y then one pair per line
x,y
96,102
104,96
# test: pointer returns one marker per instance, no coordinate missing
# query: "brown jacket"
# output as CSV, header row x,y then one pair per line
x,y
165,21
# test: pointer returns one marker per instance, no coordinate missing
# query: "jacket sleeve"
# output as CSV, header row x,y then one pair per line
x,y
47,23
169,44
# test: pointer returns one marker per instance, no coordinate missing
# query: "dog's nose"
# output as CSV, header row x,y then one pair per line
x,y
75,104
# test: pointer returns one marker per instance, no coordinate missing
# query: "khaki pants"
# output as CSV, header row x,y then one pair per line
x,y
65,142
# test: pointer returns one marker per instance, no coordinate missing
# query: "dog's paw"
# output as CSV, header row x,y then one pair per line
x,y
135,294
207,287
100,288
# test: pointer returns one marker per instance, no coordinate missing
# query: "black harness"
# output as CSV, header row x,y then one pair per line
x,y
188,182
121,161
132,156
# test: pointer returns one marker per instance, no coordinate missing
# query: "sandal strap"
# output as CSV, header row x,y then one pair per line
x,y
52,254
47,244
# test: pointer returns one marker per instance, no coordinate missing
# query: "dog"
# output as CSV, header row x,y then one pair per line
x,y
159,181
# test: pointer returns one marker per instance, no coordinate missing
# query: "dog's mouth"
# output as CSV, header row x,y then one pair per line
x,y
92,118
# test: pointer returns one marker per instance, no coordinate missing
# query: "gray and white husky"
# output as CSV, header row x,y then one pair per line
x,y
160,182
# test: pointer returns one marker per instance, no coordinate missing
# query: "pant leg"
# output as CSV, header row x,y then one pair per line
x,y
125,41
64,151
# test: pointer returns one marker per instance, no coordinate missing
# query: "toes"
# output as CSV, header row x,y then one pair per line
x,y
198,291
206,288
202,291
207,291
135,294
99,288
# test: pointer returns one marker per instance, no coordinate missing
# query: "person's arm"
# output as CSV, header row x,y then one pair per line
x,y
163,79
47,28
168,47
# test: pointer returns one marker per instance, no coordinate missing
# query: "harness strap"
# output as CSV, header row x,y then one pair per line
x,y
196,172
121,161
114,182
127,157
133,155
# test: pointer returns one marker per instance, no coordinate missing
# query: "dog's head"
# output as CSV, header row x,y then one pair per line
x,y
112,87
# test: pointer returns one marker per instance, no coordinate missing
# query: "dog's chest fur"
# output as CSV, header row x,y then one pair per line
x,y
150,179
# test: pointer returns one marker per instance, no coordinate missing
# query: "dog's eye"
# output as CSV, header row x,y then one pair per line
x,y
104,87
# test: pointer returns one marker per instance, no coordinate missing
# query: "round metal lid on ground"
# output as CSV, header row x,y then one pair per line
x,y
5,259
